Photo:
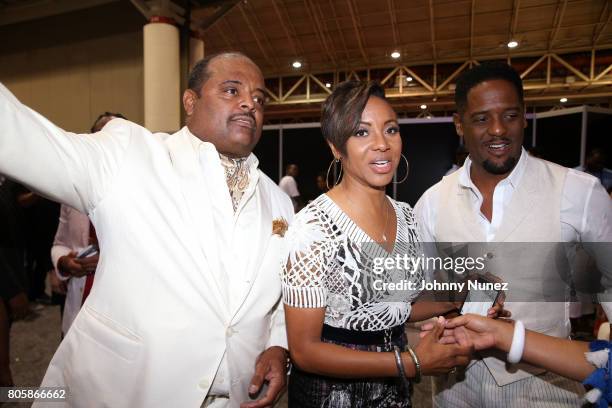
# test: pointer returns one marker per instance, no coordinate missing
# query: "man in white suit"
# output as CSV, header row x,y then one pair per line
x,y
74,234
185,310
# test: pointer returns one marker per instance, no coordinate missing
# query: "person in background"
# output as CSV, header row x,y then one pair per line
x,y
460,155
321,184
595,165
583,311
40,215
289,185
14,303
74,234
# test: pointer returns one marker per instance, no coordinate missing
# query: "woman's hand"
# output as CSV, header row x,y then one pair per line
x,y
482,332
439,358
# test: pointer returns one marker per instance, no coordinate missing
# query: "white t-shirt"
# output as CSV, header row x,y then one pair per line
x,y
289,186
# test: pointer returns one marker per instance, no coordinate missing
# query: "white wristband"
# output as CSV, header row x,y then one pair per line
x,y
518,343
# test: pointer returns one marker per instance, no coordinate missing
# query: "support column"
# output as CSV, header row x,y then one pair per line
x,y
162,98
196,49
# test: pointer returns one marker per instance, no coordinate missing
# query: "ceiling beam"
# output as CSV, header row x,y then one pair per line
x,y
454,61
217,15
325,30
597,33
357,28
259,28
340,31
561,5
256,37
514,21
165,8
393,17
227,28
432,31
472,11
319,30
288,33
226,40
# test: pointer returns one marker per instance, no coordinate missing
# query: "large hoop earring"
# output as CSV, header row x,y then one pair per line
x,y
334,163
407,171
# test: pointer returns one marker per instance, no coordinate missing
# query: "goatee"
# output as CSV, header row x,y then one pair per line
x,y
504,168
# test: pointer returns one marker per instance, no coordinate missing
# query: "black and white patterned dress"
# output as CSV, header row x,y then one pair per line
x,y
331,264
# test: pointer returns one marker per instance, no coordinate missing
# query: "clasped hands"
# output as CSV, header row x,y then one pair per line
x,y
447,344
479,332
444,345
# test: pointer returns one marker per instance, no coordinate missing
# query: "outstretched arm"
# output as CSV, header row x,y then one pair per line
x,y
65,167
562,356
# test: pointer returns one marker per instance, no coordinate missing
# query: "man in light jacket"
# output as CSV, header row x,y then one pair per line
x,y
185,309
520,214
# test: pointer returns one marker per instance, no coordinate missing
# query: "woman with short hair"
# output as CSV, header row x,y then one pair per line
x,y
345,330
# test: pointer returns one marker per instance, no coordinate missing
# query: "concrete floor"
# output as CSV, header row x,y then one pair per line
x,y
34,341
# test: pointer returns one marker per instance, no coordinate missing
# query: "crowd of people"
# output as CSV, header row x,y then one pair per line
x,y
209,291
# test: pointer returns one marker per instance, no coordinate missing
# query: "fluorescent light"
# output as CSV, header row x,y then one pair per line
x,y
409,78
512,44
563,100
297,64
395,55
423,106
327,85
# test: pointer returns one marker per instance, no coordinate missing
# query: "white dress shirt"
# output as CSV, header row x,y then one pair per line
x,y
72,235
235,232
586,212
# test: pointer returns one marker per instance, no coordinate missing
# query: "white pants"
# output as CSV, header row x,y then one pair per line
x,y
479,389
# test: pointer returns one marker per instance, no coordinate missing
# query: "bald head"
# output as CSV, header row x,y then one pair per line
x,y
224,103
202,70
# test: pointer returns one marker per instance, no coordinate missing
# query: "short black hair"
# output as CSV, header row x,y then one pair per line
x,y
341,111
199,73
104,115
485,72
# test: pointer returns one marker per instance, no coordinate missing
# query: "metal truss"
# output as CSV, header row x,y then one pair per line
x,y
582,74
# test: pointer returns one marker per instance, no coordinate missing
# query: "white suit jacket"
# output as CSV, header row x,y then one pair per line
x,y
155,327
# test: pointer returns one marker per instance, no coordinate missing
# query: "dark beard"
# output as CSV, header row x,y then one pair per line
x,y
504,168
